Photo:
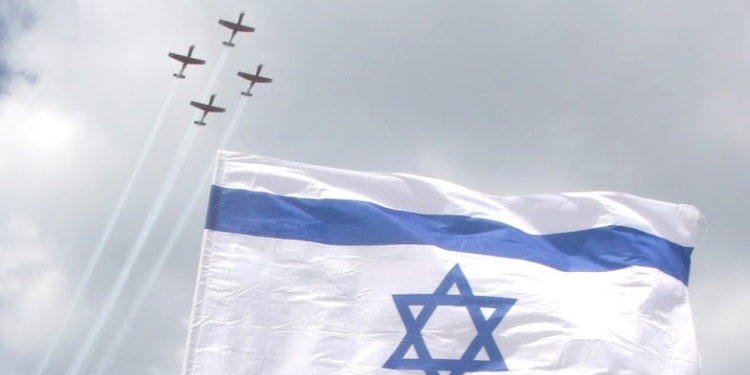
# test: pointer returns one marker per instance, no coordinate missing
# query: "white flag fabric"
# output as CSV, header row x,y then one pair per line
x,y
314,270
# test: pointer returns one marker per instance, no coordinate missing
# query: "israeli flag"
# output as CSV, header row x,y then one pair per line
x,y
314,270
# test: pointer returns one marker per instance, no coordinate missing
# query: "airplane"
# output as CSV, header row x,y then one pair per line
x,y
253,78
206,108
185,60
235,27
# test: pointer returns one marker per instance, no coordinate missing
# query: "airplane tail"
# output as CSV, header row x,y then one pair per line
x,y
246,93
178,75
228,44
199,123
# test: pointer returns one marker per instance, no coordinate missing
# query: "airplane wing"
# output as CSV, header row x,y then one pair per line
x,y
186,60
236,26
254,78
207,108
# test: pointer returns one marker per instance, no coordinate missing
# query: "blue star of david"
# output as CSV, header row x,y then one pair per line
x,y
465,298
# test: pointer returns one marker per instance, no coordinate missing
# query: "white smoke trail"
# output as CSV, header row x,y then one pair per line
x,y
100,246
233,123
215,74
222,144
107,358
135,252
166,188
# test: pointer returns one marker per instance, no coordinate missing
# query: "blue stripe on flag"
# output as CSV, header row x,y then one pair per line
x,y
358,223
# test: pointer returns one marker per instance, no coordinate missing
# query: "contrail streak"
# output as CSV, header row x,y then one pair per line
x,y
222,144
135,308
215,74
137,249
135,252
94,260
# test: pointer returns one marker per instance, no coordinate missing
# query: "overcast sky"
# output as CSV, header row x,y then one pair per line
x,y
506,97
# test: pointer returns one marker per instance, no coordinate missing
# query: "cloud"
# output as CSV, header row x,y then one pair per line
x,y
33,287
507,98
719,318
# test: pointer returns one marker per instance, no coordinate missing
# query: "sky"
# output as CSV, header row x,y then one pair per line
x,y
505,97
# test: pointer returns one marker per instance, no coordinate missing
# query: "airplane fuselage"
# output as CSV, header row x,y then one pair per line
x,y
206,108
185,60
235,27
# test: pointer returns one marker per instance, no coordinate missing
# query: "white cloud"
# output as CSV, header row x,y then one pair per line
x,y
506,98
35,133
33,287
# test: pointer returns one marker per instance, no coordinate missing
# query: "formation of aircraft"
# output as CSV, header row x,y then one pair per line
x,y
186,60
206,108
253,78
235,27
190,60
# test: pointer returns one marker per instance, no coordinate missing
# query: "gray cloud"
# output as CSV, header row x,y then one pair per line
x,y
508,98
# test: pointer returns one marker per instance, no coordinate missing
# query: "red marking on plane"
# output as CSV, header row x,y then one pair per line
x,y
206,108
235,27
185,60
253,78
